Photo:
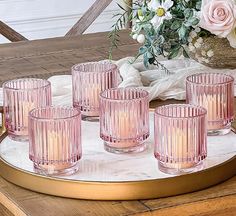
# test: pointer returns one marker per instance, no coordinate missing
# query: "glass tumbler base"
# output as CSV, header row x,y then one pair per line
x,y
219,132
132,149
179,169
90,118
18,138
59,169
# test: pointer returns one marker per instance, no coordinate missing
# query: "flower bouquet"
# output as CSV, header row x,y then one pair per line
x,y
204,30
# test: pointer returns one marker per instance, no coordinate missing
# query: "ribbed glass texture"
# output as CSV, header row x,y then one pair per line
x,y
215,92
124,119
180,137
55,139
19,97
89,80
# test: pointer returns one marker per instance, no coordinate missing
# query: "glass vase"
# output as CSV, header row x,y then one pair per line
x,y
124,119
215,92
55,140
19,97
89,80
180,138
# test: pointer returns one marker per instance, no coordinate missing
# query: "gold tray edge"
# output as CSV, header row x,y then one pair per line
x,y
146,189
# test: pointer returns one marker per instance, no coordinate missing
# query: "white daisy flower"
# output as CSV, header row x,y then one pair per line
x,y
161,11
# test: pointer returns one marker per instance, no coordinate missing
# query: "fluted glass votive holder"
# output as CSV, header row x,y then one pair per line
x,y
215,92
55,140
124,119
19,97
89,80
180,138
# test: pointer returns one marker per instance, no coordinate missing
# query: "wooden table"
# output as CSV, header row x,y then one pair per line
x,y
44,58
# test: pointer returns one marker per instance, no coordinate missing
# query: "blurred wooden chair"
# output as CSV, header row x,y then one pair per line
x,y
88,18
10,33
90,15
79,28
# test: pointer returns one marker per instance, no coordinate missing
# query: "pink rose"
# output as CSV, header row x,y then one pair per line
x,y
218,16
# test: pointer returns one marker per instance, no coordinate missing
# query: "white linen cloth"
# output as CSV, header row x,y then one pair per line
x,y
154,80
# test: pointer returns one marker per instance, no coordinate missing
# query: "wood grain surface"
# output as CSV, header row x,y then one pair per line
x,y
4,211
44,58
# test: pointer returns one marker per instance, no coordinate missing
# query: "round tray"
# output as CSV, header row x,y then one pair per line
x,y
107,176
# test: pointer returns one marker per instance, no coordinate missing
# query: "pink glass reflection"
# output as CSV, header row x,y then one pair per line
x,y
89,80
55,139
124,119
21,96
215,92
180,137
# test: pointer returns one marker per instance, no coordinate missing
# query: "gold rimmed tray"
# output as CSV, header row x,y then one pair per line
x,y
106,176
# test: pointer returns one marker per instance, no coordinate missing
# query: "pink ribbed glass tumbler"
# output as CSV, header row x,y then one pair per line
x,y
55,140
124,119
89,80
215,92
19,97
180,137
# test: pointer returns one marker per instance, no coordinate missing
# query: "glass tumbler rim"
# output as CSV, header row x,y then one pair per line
x,y
231,79
47,84
75,68
102,94
202,109
32,116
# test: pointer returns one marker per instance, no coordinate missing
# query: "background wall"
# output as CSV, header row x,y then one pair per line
x,y
37,19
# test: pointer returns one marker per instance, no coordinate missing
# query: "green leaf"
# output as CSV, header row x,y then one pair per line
x,y
199,5
194,21
188,13
142,50
183,32
115,15
149,55
174,51
156,50
185,53
121,7
175,25
188,24
173,54
145,61
143,11
160,40
151,60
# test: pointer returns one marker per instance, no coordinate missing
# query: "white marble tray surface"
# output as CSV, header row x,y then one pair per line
x,y
98,165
